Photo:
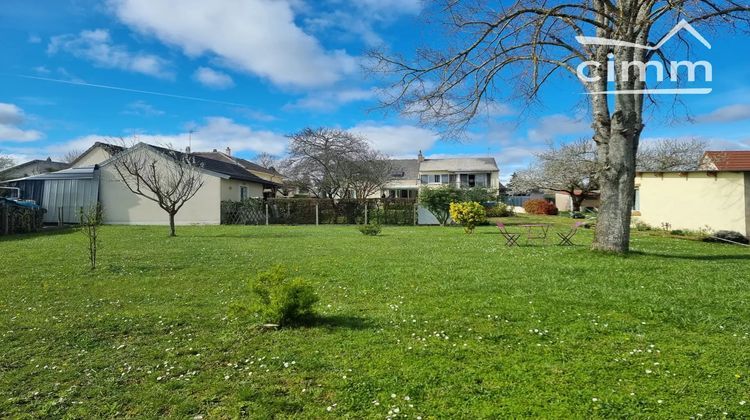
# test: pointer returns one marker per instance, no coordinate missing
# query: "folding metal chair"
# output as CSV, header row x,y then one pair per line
x,y
511,239
565,237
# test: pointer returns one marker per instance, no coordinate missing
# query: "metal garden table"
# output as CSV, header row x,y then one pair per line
x,y
536,231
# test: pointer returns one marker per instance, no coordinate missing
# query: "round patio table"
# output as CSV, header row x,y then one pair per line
x,y
536,231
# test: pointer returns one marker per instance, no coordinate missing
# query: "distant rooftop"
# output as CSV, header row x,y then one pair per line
x,y
482,164
728,160
49,164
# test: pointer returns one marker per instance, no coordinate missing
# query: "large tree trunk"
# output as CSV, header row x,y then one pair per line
x,y
171,225
617,136
616,179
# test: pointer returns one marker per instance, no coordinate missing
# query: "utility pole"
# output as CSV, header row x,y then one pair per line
x,y
190,140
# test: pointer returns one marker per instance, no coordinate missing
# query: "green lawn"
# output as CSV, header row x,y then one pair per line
x,y
421,321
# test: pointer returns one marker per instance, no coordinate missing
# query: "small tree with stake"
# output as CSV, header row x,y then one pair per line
x,y
90,219
166,177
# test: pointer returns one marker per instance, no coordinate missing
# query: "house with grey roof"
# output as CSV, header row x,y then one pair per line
x,y
409,175
94,178
32,167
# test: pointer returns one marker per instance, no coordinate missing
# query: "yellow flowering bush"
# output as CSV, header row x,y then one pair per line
x,y
468,214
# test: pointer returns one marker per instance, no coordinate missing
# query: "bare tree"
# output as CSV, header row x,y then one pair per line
x,y
71,155
6,162
571,168
526,42
167,177
267,160
333,164
368,173
670,155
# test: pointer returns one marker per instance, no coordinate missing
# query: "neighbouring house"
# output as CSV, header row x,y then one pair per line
x,y
268,174
716,196
223,181
96,154
33,167
409,175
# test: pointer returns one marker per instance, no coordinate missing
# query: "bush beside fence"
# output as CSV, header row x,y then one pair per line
x,y
311,211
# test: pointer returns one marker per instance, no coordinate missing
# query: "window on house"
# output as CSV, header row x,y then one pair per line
x,y
446,179
472,180
425,179
243,192
404,193
464,180
453,178
637,201
436,179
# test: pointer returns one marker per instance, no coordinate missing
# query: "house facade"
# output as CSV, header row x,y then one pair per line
x,y
409,175
715,200
715,197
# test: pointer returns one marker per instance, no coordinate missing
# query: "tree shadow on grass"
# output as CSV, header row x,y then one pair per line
x,y
693,257
336,322
46,231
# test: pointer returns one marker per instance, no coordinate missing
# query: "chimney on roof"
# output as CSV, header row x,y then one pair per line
x,y
229,152
49,159
420,157
215,150
187,150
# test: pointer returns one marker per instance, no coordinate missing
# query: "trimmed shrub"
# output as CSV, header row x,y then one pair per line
x,y
468,214
539,206
281,299
438,201
370,230
499,210
727,235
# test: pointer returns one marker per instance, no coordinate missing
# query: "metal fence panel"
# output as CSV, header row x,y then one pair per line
x,y
310,211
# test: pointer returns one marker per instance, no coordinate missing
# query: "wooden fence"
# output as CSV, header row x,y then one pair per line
x,y
17,218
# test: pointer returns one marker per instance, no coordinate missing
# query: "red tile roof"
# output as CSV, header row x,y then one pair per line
x,y
729,160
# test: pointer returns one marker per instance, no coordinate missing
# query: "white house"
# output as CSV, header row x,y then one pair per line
x,y
409,175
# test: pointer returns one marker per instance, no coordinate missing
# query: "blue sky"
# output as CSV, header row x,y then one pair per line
x,y
243,74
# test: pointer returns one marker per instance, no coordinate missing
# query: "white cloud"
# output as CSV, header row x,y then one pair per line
x,y
42,70
730,113
143,109
96,46
396,140
11,118
331,100
553,126
255,36
359,17
212,78
213,133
